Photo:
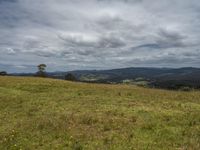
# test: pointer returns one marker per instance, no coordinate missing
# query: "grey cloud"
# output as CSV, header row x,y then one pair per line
x,y
164,40
6,1
149,46
110,22
104,34
125,1
169,39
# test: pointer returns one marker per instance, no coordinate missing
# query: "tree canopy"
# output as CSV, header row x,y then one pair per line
x,y
41,70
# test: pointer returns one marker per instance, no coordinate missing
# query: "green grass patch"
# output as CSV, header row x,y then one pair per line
x,y
42,114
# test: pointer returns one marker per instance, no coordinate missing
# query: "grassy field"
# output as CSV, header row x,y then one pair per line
x,y
53,114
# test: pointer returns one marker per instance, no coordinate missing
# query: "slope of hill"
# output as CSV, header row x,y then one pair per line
x,y
40,113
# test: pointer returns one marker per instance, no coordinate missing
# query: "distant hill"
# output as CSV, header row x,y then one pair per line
x,y
168,78
157,77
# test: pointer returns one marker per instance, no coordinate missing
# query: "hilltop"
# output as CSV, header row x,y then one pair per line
x,y
38,113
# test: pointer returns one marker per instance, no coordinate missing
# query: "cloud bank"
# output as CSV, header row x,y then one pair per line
x,y
98,34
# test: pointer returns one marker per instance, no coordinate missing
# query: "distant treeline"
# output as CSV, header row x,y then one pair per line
x,y
176,84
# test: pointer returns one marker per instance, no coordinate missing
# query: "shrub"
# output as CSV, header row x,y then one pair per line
x,y
3,73
70,77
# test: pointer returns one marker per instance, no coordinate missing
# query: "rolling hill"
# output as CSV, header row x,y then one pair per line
x,y
165,78
157,77
38,113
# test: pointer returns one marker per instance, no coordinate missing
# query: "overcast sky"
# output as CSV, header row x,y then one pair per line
x,y
98,34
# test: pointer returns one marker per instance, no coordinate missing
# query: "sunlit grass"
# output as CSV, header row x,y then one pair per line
x,y
53,114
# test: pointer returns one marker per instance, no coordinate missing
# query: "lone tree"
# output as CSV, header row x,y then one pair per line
x,y
41,70
70,77
3,73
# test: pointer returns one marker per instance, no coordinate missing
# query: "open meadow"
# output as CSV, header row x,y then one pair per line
x,y
38,113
